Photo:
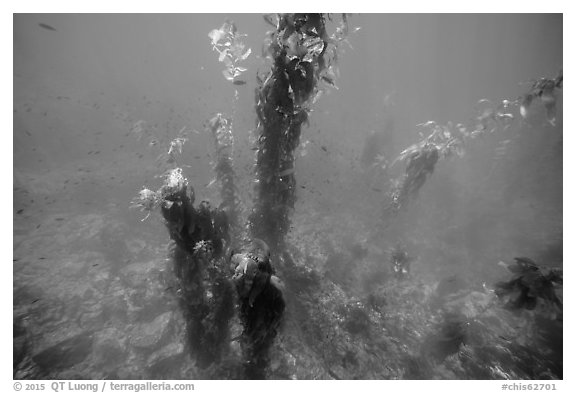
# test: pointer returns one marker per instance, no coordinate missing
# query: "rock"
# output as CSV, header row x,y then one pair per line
x,y
101,281
356,318
19,346
66,353
114,308
282,366
92,320
170,351
150,335
135,246
20,340
449,336
139,274
109,348
144,303
165,363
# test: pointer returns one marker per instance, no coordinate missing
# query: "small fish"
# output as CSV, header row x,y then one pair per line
x,y
324,148
239,82
35,301
20,211
42,258
96,264
47,27
59,219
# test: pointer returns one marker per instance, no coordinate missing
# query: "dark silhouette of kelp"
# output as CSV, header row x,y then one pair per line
x,y
206,295
449,140
208,241
299,48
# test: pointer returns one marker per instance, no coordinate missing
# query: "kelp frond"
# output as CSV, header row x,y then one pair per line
x,y
231,49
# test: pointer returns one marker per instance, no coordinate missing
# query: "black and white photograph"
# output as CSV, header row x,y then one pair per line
x,y
287,196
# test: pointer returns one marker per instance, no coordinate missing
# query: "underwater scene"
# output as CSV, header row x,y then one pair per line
x,y
287,196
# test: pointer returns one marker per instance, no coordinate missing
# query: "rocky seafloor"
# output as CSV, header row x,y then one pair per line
x,y
95,298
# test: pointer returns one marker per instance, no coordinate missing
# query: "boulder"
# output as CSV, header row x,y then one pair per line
x,y
109,348
165,363
150,335
66,353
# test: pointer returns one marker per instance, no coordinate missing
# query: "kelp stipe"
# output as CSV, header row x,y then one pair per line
x,y
221,130
303,55
206,296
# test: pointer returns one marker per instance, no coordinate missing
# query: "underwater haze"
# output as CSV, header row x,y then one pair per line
x,y
424,239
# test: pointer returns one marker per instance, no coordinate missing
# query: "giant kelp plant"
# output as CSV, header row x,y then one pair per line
x,y
207,239
200,235
445,141
302,56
